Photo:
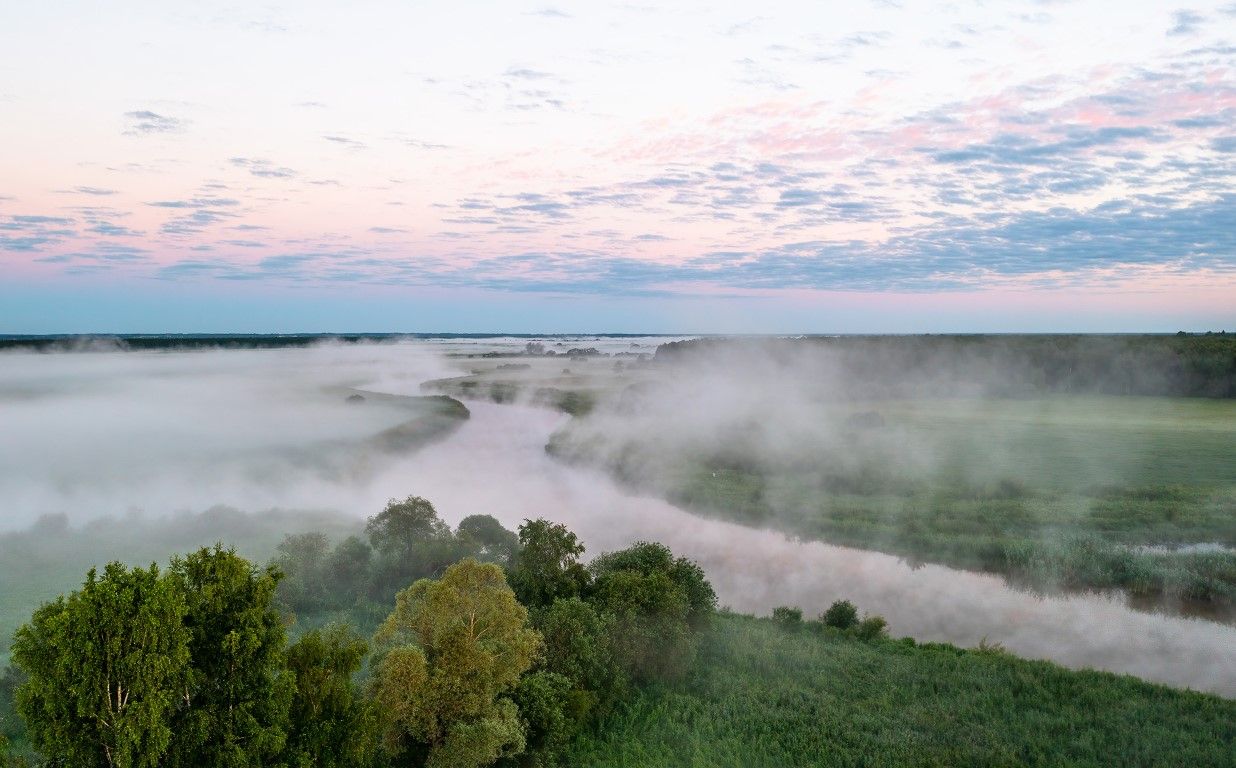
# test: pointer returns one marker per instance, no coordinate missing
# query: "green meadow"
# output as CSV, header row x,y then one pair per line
x,y
766,695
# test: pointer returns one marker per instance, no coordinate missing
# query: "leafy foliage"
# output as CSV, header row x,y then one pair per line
x,y
788,617
235,704
488,540
654,600
842,614
449,649
330,726
356,580
548,566
107,666
633,666
542,699
579,646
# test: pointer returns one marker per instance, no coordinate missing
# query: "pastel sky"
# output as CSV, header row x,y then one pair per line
x,y
888,166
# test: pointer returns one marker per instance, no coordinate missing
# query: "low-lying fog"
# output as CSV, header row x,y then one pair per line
x,y
99,434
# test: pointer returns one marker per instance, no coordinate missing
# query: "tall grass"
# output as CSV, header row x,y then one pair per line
x,y
762,695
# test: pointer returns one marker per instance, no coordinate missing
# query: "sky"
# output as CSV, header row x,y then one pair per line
x,y
773,167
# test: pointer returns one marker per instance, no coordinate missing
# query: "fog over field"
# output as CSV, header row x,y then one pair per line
x,y
95,434
140,435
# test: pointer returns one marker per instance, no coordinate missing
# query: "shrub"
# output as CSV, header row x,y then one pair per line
x,y
788,617
840,615
872,628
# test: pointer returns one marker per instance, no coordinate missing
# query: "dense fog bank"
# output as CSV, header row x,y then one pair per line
x,y
110,434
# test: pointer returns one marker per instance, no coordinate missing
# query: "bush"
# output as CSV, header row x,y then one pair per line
x,y
841,615
788,617
872,628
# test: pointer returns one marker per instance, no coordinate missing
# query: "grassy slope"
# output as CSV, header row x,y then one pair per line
x,y
764,696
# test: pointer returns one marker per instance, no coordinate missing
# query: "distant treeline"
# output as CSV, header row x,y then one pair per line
x,y
1180,365
160,341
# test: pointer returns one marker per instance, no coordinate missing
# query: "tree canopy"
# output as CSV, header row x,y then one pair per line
x,y
234,709
548,565
447,652
107,668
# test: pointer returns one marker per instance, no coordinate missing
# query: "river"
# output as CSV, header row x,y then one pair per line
x,y
496,464
106,435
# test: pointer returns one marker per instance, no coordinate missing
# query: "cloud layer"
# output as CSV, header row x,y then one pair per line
x,y
640,152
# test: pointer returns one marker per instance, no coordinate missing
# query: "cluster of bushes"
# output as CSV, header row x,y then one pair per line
x,y
498,662
841,617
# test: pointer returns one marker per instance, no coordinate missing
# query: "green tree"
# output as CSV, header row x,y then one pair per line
x,y
548,566
872,628
788,617
11,725
7,758
235,705
411,543
651,636
107,666
842,614
543,700
348,570
330,725
487,538
656,601
652,557
301,558
404,525
447,653
579,647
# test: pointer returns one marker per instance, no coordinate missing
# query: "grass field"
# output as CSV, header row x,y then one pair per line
x,y
765,696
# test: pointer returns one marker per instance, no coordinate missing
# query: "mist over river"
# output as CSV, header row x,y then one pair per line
x,y
107,433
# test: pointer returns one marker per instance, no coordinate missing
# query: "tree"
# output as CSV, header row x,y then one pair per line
x,y
652,557
651,637
106,667
543,702
656,601
842,614
7,758
301,558
330,725
411,543
446,653
872,628
548,566
578,646
788,617
488,539
11,726
403,525
348,570
235,704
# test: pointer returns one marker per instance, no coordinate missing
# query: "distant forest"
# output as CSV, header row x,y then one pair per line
x,y
1162,365
1179,365
176,341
